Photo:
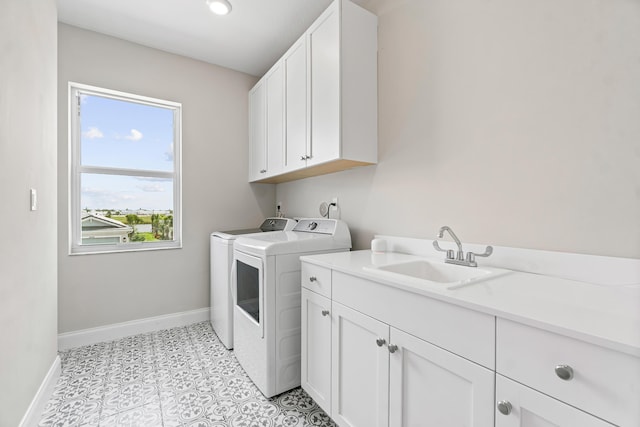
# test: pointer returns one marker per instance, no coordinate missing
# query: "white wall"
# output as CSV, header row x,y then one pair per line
x,y
517,123
103,289
28,309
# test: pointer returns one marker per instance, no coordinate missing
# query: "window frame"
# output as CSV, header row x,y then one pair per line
x,y
76,169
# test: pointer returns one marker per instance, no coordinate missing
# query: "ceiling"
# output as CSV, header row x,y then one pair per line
x,y
249,39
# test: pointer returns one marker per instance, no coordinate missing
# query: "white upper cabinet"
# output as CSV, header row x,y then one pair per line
x,y
296,113
275,119
330,97
257,132
266,133
324,50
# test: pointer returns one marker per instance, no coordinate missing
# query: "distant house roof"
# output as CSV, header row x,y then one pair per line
x,y
92,221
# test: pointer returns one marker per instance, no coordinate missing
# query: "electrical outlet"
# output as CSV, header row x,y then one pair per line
x,y
334,208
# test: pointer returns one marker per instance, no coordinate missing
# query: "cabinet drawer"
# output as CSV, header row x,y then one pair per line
x,y
465,332
604,382
531,408
316,279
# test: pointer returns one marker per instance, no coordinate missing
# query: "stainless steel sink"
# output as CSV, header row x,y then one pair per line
x,y
436,272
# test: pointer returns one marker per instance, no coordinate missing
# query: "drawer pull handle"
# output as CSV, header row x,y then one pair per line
x,y
504,406
564,372
313,279
393,348
325,312
380,342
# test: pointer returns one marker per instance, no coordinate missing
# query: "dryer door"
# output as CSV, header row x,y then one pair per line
x,y
249,288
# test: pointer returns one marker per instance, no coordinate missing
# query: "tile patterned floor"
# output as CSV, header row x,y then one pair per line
x,y
176,377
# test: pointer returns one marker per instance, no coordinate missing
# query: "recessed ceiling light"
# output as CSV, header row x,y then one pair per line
x,y
219,7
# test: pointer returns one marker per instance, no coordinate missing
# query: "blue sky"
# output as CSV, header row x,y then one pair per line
x,y
123,134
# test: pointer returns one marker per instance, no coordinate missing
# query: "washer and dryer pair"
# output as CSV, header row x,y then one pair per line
x,y
256,293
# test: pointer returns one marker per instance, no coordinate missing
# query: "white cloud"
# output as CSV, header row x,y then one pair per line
x,y
147,198
100,198
152,179
135,135
168,155
151,188
92,133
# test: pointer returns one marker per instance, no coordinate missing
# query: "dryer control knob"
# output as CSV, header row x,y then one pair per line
x,y
313,225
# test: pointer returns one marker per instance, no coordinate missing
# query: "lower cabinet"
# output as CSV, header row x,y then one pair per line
x,y
429,386
379,376
521,406
594,379
359,369
316,348
377,356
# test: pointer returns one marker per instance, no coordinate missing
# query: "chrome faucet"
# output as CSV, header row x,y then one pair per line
x,y
449,252
459,258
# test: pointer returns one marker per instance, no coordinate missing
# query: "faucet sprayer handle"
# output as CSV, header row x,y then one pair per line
x,y
450,253
471,256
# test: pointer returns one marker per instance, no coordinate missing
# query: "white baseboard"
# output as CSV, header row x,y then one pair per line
x,y
36,408
120,330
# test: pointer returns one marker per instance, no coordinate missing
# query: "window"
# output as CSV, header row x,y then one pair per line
x,y
124,171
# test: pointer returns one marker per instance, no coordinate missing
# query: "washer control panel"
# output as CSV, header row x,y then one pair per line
x,y
316,225
277,224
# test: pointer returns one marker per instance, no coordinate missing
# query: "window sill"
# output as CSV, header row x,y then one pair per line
x,y
128,247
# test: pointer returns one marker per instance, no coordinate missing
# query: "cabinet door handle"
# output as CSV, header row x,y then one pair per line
x,y
504,406
263,171
564,372
303,158
380,342
325,312
393,348
313,279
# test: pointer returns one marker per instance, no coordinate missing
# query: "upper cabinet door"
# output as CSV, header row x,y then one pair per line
x,y
275,119
257,132
296,109
324,49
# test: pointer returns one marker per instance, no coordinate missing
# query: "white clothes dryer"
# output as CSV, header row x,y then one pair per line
x,y
221,303
267,295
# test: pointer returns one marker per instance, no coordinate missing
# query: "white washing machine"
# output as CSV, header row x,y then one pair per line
x,y
221,303
267,295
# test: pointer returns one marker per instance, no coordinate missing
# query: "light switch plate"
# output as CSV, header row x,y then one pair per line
x,y
34,199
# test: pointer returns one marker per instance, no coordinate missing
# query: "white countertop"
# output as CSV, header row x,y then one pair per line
x,y
608,316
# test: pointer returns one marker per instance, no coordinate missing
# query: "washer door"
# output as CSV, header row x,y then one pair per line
x,y
249,288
